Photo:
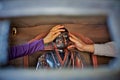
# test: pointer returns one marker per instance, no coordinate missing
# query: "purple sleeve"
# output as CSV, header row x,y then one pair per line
x,y
26,49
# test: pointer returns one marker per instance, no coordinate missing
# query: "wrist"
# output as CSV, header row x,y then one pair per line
x,y
45,41
89,48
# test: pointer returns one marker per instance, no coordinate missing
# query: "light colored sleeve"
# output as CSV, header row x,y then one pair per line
x,y
107,49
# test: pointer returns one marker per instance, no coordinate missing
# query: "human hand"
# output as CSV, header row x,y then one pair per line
x,y
80,45
54,32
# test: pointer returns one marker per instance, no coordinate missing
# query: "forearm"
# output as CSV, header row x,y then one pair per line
x,y
89,48
25,49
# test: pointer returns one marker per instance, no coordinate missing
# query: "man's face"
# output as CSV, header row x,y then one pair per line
x,y
62,40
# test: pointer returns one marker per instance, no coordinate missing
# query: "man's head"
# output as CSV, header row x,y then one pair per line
x,y
62,40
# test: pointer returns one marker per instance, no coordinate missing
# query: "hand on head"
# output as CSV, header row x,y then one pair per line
x,y
54,32
80,45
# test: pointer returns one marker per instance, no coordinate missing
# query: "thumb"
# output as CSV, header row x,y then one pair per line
x,y
73,40
71,46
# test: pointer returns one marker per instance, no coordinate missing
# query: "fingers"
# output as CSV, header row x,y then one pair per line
x,y
71,46
57,28
58,31
73,40
72,36
54,32
55,35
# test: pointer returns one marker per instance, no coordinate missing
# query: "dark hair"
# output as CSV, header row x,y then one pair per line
x,y
65,30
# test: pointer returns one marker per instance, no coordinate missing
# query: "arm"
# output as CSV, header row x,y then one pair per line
x,y
35,44
25,49
107,49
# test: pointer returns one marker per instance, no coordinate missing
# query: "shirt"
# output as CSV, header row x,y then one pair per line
x,y
25,49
